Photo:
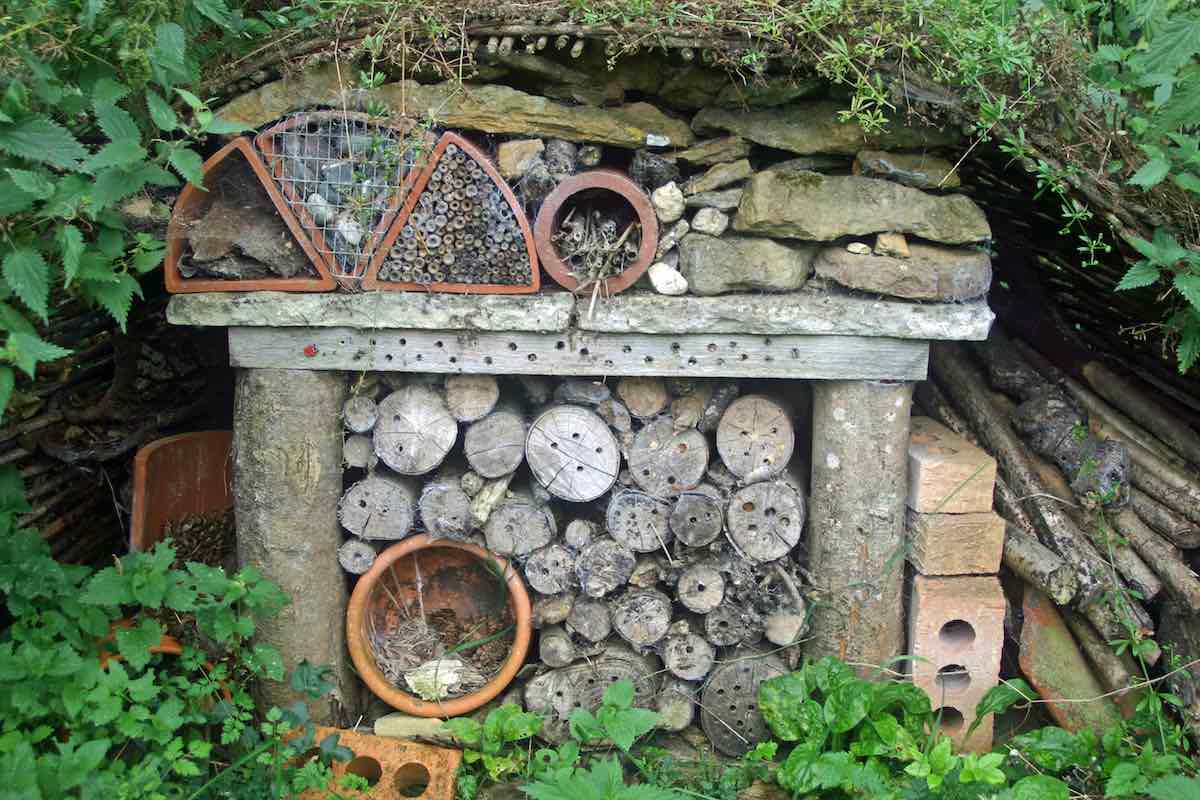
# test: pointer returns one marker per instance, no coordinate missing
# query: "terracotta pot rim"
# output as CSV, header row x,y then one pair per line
x,y
191,197
380,686
416,189
264,142
617,183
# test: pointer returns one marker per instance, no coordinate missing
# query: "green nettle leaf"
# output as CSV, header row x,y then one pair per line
x,y
26,351
115,297
1040,787
189,164
117,124
625,726
1174,787
170,45
1172,45
13,200
7,382
43,140
114,184
118,153
1151,173
1143,273
28,276
13,320
12,488
161,112
1189,346
34,183
106,90
1188,285
1188,181
108,587
619,694
70,242
466,730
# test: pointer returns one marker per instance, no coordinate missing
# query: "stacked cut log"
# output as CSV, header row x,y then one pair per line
x,y
956,606
653,521
1100,494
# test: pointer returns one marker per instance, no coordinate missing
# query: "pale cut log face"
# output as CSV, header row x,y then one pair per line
x,y
755,438
415,430
573,453
765,520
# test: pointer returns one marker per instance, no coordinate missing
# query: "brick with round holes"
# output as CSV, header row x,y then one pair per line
x,y
395,768
946,473
955,634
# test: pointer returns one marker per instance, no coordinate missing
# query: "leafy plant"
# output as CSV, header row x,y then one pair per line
x,y
616,720
492,745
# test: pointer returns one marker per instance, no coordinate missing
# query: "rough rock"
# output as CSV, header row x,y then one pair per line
x,y
715,151
585,95
808,128
590,155
892,244
536,183
539,66
931,273
668,202
808,205
919,170
652,170
666,279
767,93
692,87
718,176
738,263
490,108
710,221
670,238
561,157
858,248
818,163
514,158
724,200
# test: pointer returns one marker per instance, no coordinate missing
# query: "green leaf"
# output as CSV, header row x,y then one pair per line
x,y
786,707
161,112
1151,173
1126,780
117,124
7,382
584,726
1040,787
12,199
114,184
1188,285
13,320
135,643
26,351
1174,787
42,140
108,587
1052,749
220,127
846,707
170,46
1188,181
311,680
1172,45
625,726
192,100
34,183
1189,346
189,164
115,297
28,276
12,488
619,694
466,730
70,242
108,91
1143,273
120,153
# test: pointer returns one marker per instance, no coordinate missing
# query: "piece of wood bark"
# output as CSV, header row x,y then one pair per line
x,y
551,609
755,437
1106,421
359,453
765,520
415,431
642,616
590,619
487,498
616,415
700,588
550,569
697,517
719,398
645,397
1038,565
356,555
359,413
572,453
1179,530
445,507
495,444
604,566
688,656
665,461
471,397
379,507
519,525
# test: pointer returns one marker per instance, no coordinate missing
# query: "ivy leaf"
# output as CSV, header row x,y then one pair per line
x,y
1188,285
34,183
115,297
189,164
28,276
1143,273
311,680
119,153
161,112
70,243
1151,173
43,140
1000,698
26,351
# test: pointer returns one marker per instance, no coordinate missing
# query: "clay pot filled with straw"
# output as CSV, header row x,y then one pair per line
x,y
437,628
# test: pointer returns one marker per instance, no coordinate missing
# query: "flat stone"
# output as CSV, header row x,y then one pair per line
x,y
491,108
724,200
931,273
892,244
733,263
668,202
1052,662
692,87
767,93
540,66
814,127
715,151
816,207
817,163
919,170
710,221
515,157
547,312
718,176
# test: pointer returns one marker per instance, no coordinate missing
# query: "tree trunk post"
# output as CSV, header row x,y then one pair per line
x,y
856,518
287,478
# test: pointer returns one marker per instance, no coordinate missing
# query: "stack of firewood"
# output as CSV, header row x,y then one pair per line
x,y
1099,488
653,519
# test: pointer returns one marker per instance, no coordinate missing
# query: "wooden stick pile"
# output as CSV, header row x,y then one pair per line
x,y
653,521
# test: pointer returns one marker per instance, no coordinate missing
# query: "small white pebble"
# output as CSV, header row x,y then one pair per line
x,y
666,279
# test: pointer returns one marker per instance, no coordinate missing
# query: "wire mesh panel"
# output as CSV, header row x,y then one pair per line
x,y
344,176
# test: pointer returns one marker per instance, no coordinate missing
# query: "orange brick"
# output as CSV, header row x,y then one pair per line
x,y
946,473
955,544
955,633
395,768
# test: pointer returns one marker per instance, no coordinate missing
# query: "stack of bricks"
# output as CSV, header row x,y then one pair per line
x,y
956,605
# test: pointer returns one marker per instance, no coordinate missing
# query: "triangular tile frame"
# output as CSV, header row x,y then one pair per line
x,y
266,144
372,280
192,202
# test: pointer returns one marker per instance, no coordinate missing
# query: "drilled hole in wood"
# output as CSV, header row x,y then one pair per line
x,y
438,344
487,359
583,351
560,344
403,341
512,345
387,357
748,507
532,356
626,348
712,348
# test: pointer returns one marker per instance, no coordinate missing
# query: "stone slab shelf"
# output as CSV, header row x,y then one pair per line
x,y
808,335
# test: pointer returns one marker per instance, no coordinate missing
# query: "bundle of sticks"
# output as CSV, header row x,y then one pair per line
x,y
1098,485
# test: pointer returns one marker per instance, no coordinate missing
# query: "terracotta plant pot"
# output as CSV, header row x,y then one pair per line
x,y
554,208
346,268
373,281
456,576
193,203
177,476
